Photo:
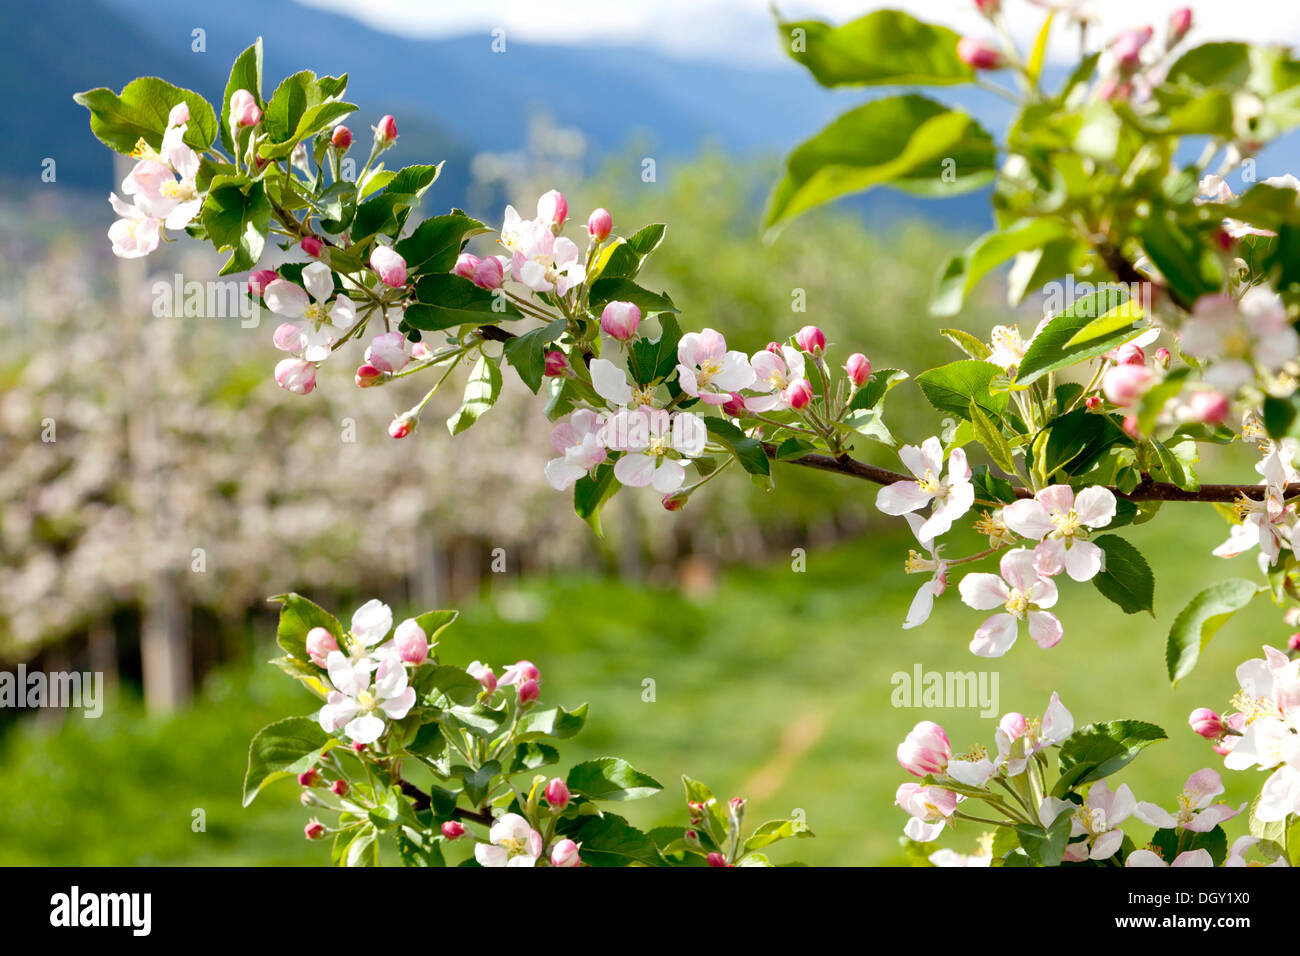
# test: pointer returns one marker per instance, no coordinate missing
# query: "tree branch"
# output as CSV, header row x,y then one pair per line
x,y
422,801
1147,490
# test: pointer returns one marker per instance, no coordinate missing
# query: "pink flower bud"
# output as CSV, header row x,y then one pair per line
x,y
556,364
179,114
1130,354
773,347
1293,642
692,838
484,675
320,643
1206,723
736,804
1125,384
490,273
673,502
1130,427
1092,403
453,830
412,644
243,109
717,859
386,131
565,853
798,394
339,788
295,375
359,747
1162,357
1012,724
858,368
312,246
465,265
553,208
557,794
1209,407
390,266
734,406
811,339
600,224
1112,89
314,830
522,670
979,55
1127,48
1180,21
925,750
367,375
258,281
400,427
529,691
308,778
619,320
387,352
341,138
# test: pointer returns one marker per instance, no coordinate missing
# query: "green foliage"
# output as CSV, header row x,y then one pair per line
x,y
1201,619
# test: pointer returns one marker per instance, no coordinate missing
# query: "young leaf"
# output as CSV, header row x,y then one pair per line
x,y
481,393
611,778
1201,619
1125,577
886,47
286,747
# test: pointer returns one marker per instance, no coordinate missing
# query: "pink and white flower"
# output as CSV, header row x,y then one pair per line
x,y
929,808
1098,820
545,262
647,436
775,372
164,184
388,352
316,321
135,233
1268,522
1186,858
355,706
925,750
1060,522
1237,337
708,371
952,496
295,375
513,843
1019,739
1023,593
1197,811
923,603
578,441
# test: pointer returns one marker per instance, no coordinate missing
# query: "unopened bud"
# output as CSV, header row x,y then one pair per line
x,y
341,138
400,427
308,778
339,788
620,320
1207,723
565,854
314,830
979,55
453,830
313,246
556,364
557,794
600,224
1209,407
259,280
465,265
799,394
553,209
386,132
390,266
717,859
858,368
811,339
529,691
411,641
243,109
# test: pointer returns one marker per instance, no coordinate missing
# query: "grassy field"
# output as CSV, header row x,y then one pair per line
x,y
773,683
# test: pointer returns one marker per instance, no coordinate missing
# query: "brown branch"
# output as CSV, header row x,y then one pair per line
x,y
422,801
1147,490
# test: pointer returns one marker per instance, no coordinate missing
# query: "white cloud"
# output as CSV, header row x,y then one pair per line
x,y
740,31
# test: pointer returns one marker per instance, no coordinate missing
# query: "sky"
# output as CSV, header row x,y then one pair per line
x,y
740,31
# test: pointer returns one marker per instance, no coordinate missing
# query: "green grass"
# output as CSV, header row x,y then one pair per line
x,y
775,685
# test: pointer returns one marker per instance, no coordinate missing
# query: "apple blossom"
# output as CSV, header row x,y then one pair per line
x,y
1235,337
811,339
580,446
453,829
858,368
952,496
951,858
799,395
320,643
1019,739
565,853
1023,593
557,794
243,109
600,224
341,138
708,371
295,375
1206,723
385,132
465,265
353,703
923,603
411,642
387,352
317,322
1186,858
619,320
513,843
1060,522
490,273
1237,853
1268,522
930,808
390,266
776,369
134,233
552,209
1196,810
646,436
165,188
544,261
529,691
1130,354
1097,820
483,674
980,55
1123,385
925,750
1209,407
519,672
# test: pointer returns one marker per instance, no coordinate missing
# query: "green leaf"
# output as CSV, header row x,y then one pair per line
x,y
988,434
1201,619
1170,843
301,107
653,361
591,491
446,301
611,778
246,74
1077,440
286,747
1050,350
140,111
1213,64
1098,750
990,487
619,289
298,616
478,783
886,47
527,352
237,216
445,686
880,384
972,346
908,142
609,840
555,722
434,623
1188,264
388,211
436,243
481,393
1125,577
748,451
953,387
776,830
963,272
625,257
1046,847
533,756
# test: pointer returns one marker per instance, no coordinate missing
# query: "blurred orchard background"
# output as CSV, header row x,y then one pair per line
x,y
183,487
